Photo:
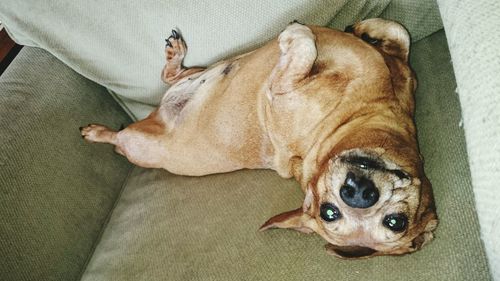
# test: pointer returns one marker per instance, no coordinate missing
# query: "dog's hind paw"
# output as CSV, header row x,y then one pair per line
x,y
175,48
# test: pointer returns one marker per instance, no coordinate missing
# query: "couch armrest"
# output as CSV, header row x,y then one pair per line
x,y
475,51
56,191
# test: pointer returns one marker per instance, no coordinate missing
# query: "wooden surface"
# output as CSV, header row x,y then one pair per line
x,y
8,50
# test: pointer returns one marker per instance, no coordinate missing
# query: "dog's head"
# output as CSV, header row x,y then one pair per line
x,y
365,204
370,195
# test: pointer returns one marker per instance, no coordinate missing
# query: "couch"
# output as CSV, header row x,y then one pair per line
x,y
74,211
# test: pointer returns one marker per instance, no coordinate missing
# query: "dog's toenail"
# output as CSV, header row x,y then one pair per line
x,y
175,34
296,21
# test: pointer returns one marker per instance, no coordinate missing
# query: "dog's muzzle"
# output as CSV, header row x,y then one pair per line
x,y
359,192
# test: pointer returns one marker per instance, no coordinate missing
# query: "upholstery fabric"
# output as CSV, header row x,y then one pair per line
x,y
119,44
169,227
421,18
475,52
55,191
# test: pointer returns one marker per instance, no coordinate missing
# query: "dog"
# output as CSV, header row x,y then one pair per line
x,y
333,109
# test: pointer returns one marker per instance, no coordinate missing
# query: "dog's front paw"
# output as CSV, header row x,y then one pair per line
x,y
175,48
95,133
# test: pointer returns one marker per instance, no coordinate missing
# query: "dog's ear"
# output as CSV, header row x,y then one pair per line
x,y
391,37
297,44
294,219
297,219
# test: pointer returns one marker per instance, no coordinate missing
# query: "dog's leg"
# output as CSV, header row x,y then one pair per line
x,y
98,133
140,142
175,51
298,54
102,134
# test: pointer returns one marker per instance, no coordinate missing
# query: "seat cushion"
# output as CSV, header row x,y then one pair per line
x,y
56,191
169,227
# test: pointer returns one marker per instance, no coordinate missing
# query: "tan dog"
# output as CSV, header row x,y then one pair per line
x,y
330,108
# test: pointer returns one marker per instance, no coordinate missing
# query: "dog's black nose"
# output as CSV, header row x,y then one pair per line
x,y
358,192
349,28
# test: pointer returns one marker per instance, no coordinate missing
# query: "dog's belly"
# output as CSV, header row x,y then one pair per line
x,y
212,123
181,93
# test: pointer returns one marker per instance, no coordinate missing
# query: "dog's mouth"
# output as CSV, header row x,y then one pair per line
x,y
363,178
350,252
371,163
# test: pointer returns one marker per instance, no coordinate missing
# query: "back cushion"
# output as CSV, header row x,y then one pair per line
x,y
119,44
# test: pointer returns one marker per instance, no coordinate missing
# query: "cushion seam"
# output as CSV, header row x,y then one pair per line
x,y
105,223
441,29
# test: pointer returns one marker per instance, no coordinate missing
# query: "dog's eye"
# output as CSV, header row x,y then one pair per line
x,y
396,222
370,40
329,212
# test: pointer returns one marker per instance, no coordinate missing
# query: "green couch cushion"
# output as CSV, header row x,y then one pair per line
x,y
168,227
55,191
